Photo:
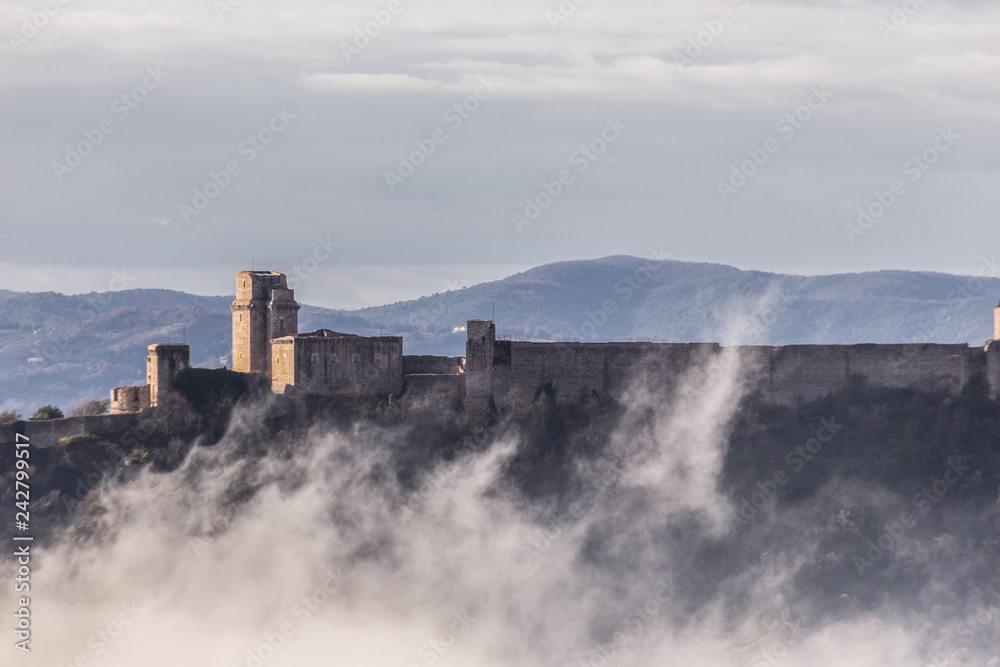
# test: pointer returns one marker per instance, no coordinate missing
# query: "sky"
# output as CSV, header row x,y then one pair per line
x,y
386,149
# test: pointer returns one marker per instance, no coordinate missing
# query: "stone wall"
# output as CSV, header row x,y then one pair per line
x,y
46,432
326,362
791,373
162,366
428,365
505,370
418,386
577,369
125,400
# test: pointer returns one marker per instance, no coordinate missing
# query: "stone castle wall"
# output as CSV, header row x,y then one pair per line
x,y
577,369
326,364
428,365
125,400
47,432
266,342
451,384
506,370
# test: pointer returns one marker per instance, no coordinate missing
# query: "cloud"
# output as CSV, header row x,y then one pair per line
x,y
692,123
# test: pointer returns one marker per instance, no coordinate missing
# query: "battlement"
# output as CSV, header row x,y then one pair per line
x,y
258,285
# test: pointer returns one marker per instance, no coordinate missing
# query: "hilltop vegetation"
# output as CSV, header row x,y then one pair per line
x,y
871,498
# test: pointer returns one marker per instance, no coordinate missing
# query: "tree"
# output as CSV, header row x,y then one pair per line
x,y
10,416
91,408
48,412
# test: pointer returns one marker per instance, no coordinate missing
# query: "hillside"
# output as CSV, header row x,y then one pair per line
x,y
63,349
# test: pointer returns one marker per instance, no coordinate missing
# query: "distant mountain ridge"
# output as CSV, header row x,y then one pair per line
x,y
62,349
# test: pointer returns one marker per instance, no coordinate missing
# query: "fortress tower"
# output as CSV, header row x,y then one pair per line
x,y
162,366
479,350
264,309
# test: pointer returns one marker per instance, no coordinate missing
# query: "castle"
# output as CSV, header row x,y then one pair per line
x,y
495,372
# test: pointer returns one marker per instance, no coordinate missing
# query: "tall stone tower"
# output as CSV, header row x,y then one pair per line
x,y
162,366
264,309
479,344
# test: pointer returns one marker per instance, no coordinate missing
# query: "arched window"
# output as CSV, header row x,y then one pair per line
x,y
378,358
333,358
314,359
355,358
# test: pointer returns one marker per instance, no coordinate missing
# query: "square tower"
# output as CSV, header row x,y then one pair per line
x,y
264,309
162,366
479,349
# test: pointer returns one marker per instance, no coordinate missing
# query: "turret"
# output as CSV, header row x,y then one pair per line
x,y
479,344
264,309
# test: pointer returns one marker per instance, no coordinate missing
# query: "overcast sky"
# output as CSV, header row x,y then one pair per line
x,y
665,98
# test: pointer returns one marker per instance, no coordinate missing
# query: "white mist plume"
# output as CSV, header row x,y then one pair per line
x,y
312,552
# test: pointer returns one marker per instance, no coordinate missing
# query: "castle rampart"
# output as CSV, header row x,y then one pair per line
x,y
326,362
126,400
266,342
429,365
502,370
